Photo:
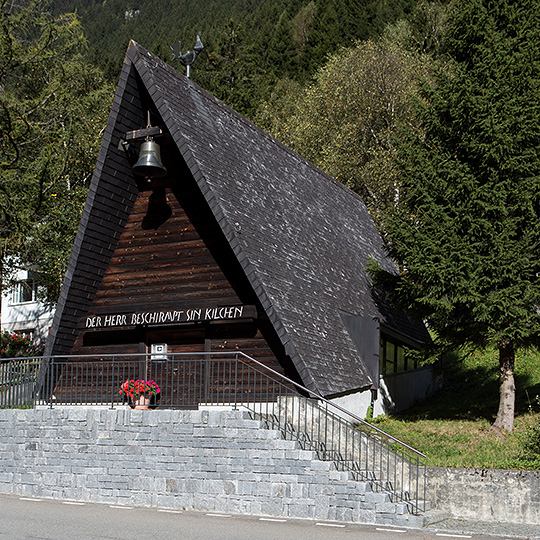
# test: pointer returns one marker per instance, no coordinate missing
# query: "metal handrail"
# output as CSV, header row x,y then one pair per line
x,y
17,380
239,380
336,406
266,368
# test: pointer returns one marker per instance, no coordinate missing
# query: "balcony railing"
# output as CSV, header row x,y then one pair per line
x,y
192,380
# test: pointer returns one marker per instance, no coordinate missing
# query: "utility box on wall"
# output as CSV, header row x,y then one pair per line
x,y
158,351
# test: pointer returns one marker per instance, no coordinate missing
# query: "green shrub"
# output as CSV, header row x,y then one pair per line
x,y
530,451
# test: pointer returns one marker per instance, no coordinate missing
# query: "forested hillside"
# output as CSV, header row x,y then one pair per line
x,y
249,44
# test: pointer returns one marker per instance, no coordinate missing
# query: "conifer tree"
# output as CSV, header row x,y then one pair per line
x,y
228,69
466,232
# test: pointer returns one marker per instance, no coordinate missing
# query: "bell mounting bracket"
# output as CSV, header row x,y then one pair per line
x,y
140,134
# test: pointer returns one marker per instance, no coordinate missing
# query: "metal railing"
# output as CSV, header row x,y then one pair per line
x,y
190,380
17,381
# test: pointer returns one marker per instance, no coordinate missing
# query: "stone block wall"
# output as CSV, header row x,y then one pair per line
x,y
219,461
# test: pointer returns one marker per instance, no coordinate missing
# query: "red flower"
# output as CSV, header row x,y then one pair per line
x,y
136,388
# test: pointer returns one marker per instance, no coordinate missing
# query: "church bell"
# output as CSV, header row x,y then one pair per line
x,y
149,164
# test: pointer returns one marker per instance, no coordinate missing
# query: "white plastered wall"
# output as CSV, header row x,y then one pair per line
x,y
396,392
32,316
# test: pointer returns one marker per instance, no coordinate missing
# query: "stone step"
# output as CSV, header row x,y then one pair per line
x,y
395,509
432,516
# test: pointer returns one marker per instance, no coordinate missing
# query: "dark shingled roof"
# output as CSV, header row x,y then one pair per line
x,y
302,238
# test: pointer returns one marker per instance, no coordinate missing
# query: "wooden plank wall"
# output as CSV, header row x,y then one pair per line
x,y
162,258
152,267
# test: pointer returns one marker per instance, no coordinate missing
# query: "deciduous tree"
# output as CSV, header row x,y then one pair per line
x,y
345,120
53,107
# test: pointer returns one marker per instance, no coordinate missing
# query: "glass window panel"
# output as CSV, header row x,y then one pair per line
x,y
401,361
382,366
390,357
24,291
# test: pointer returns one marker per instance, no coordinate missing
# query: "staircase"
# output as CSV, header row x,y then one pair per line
x,y
364,452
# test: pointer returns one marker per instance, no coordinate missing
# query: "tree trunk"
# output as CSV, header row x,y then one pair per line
x,y
507,390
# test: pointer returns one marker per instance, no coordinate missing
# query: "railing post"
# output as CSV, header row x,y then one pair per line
x,y
10,385
235,382
206,380
113,372
49,385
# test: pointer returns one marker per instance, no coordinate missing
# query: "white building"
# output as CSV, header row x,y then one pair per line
x,y
23,312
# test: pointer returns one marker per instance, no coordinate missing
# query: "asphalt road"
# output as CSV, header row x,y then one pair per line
x,y
43,519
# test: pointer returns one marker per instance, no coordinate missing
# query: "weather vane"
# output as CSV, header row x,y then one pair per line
x,y
188,58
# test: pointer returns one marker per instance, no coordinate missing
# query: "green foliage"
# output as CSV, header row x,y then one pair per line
x,y
467,225
284,39
426,28
301,26
369,414
345,120
230,71
530,456
53,107
453,427
17,346
530,452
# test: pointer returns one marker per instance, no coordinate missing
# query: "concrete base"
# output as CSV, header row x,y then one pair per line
x,y
486,494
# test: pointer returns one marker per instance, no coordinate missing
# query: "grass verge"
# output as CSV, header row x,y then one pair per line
x,y
453,427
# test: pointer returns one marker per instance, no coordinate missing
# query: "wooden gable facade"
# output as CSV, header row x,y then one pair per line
x,y
173,279
243,245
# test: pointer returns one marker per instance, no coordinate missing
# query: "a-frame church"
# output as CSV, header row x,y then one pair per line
x,y
241,245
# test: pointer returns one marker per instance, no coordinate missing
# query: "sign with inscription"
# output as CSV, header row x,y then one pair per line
x,y
180,316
